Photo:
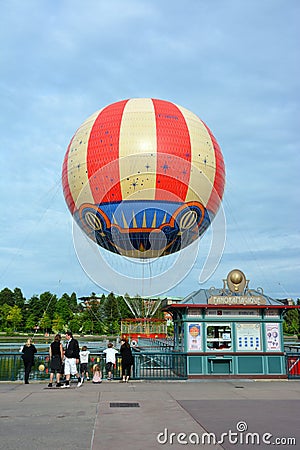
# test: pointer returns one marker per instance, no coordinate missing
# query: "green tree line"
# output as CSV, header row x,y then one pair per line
x,y
48,313
102,316
291,323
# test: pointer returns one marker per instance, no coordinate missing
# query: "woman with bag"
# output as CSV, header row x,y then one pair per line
x,y
28,358
56,354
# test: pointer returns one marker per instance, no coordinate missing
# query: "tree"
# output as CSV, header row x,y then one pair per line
x,y
19,299
30,322
73,303
99,315
75,324
48,300
88,326
4,312
35,309
7,297
291,322
93,313
15,316
125,312
46,323
64,308
58,323
112,314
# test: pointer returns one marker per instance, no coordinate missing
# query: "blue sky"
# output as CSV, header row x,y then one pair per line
x,y
235,64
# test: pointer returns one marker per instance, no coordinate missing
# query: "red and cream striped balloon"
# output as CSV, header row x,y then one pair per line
x,y
142,167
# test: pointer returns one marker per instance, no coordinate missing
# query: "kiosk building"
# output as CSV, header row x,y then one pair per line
x,y
233,331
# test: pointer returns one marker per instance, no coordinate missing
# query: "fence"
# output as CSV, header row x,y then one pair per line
x,y
160,366
292,348
293,365
155,366
148,365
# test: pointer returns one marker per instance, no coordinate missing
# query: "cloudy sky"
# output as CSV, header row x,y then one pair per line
x,y
235,64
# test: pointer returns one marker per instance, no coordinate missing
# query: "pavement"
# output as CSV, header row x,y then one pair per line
x,y
143,415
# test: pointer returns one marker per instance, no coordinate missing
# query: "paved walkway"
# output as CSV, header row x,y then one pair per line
x,y
94,416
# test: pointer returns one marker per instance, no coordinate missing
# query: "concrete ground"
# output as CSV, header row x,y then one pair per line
x,y
151,415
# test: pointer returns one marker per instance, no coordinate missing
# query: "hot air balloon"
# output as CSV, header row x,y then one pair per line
x,y
143,178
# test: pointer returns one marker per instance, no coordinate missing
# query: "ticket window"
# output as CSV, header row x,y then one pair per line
x,y
218,337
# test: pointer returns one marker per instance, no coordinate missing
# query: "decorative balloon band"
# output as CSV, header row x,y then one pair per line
x,y
143,229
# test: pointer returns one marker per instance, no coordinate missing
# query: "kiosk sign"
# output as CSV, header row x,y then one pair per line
x,y
236,300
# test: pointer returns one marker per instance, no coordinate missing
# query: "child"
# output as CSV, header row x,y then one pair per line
x,y
97,378
84,359
110,353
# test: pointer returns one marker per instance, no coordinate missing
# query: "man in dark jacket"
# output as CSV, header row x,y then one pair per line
x,y
28,358
71,360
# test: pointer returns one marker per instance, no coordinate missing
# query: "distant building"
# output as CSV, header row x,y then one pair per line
x,y
92,299
286,301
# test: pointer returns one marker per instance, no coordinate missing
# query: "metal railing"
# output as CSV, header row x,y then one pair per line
x,y
158,365
292,348
148,365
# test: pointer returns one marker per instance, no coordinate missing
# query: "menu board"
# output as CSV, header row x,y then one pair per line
x,y
248,336
194,337
273,336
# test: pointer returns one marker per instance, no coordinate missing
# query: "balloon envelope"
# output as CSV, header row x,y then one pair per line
x,y
143,177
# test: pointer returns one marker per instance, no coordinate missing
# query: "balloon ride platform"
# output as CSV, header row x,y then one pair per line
x,y
144,328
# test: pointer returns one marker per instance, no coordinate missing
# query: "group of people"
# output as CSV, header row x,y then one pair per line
x,y
64,361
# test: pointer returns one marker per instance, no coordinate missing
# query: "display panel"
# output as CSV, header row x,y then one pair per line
x,y
194,337
248,336
273,337
218,337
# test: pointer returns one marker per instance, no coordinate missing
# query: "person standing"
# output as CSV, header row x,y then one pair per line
x,y
84,360
56,354
28,358
110,354
71,360
127,360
